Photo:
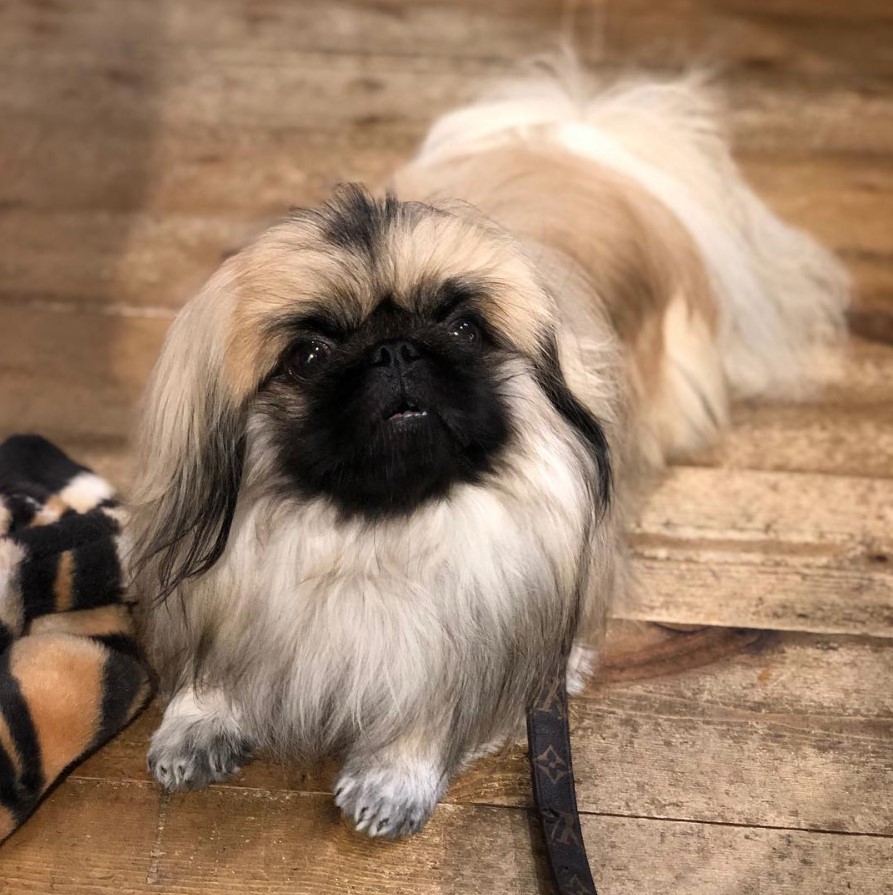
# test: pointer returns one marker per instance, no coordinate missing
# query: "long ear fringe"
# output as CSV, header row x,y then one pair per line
x,y
185,528
192,446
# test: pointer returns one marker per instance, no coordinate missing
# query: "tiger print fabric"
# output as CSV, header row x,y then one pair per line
x,y
70,671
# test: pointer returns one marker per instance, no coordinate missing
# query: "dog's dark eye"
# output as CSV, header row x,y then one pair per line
x,y
307,358
465,330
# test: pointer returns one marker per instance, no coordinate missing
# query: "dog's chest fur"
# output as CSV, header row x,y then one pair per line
x,y
360,626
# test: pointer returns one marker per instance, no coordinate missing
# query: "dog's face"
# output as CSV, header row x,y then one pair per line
x,y
381,416
373,354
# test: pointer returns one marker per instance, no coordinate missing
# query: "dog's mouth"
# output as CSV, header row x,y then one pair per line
x,y
406,412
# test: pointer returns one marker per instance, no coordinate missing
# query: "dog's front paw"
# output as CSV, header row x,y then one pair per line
x,y
194,763
194,760
198,742
389,801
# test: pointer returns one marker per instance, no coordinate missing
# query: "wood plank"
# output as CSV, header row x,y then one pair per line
x,y
712,587
202,173
784,38
791,731
85,839
463,28
230,841
833,438
158,260
488,849
254,841
856,10
780,39
832,514
844,427
249,87
119,261
766,550
875,324
74,373
872,279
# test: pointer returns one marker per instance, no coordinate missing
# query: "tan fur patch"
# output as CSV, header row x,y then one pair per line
x,y
7,744
97,622
60,677
64,584
50,511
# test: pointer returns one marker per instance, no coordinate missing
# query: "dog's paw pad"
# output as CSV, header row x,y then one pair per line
x,y
388,802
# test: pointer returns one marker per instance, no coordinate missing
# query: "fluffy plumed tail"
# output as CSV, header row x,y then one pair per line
x,y
780,294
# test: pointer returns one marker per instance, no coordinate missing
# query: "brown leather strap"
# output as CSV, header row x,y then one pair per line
x,y
552,773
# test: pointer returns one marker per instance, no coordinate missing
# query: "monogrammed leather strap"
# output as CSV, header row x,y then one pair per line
x,y
552,773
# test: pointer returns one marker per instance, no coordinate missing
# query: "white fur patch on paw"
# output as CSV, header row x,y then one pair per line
x,y
390,802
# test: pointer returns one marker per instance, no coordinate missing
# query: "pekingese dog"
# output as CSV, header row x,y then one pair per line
x,y
387,451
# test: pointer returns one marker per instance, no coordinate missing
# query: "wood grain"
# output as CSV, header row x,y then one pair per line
x,y
506,29
814,43
767,550
260,842
786,39
716,587
854,439
89,839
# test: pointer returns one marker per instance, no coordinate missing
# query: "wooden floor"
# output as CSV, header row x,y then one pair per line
x,y
740,738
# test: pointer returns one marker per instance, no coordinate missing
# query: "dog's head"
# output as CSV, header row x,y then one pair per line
x,y
372,354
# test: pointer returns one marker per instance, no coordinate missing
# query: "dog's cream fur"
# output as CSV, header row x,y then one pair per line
x,y
614,220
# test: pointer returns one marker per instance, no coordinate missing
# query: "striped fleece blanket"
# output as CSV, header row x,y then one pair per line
x,y
70,672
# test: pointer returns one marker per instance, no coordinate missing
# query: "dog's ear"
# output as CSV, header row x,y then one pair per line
x,y
589,429
191,445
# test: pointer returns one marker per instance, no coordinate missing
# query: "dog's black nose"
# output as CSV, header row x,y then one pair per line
x,y
394,353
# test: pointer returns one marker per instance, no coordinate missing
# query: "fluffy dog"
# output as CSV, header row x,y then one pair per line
x,y
387,450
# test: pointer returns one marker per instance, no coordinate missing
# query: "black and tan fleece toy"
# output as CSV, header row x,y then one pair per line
x,y
70,673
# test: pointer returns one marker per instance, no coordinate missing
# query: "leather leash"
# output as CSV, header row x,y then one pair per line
x,y
552,774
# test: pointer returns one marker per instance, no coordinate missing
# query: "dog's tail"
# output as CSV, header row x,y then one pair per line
x,y
780,294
